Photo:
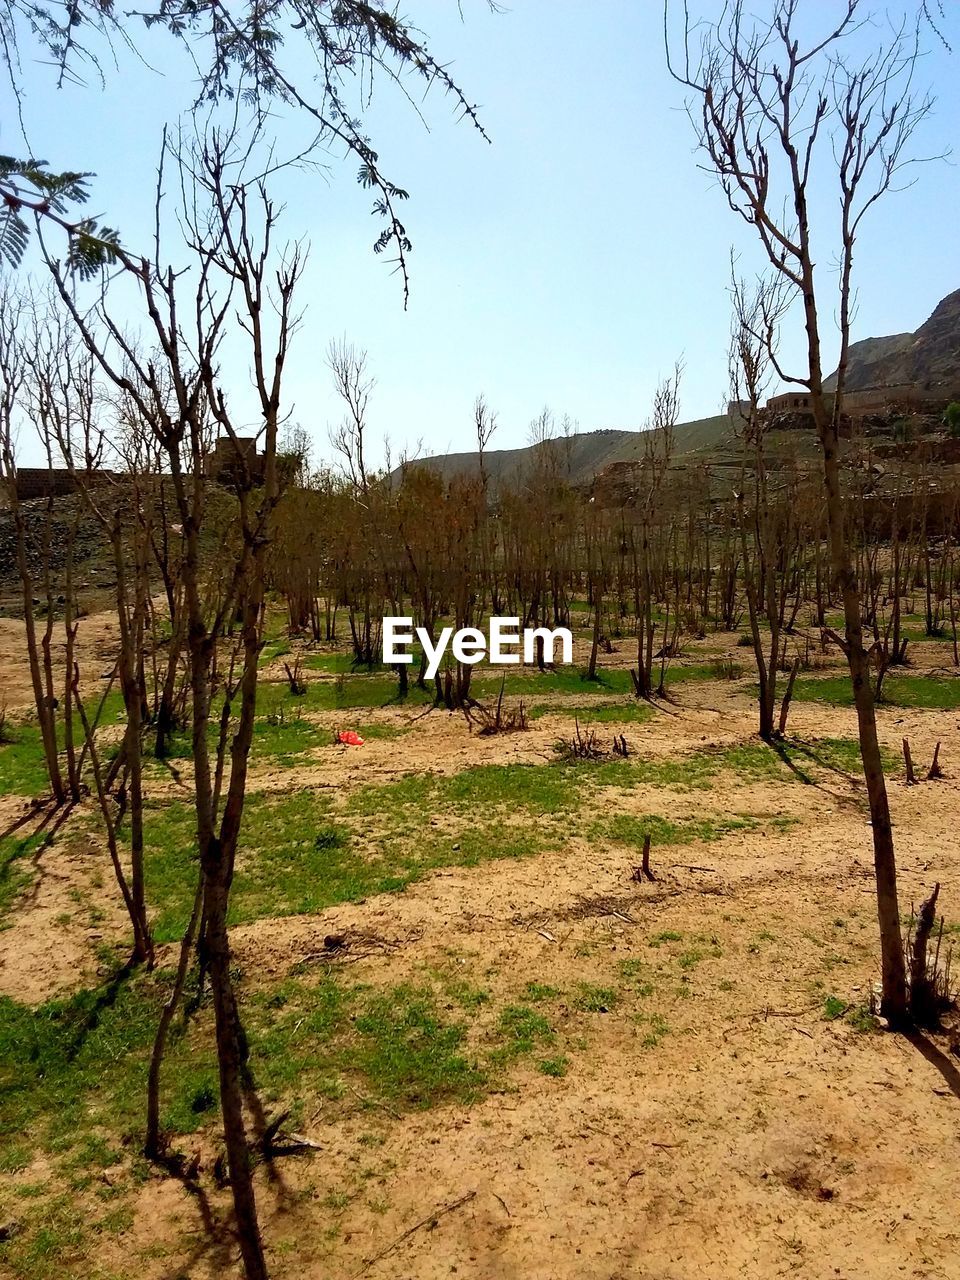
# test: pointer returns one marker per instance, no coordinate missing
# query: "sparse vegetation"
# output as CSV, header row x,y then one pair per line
x,y
324,957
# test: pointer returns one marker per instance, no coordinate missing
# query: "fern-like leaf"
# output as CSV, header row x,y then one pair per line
x,y
14,235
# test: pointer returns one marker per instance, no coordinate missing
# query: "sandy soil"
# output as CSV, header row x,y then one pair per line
x,y
755,1140
95,652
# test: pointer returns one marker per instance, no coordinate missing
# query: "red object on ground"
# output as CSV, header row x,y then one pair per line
x,y
350,739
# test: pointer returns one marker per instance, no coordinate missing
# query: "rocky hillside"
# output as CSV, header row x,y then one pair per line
x,y
581,457
930,357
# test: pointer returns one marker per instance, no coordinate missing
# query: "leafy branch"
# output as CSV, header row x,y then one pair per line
x,y
29,187
244,52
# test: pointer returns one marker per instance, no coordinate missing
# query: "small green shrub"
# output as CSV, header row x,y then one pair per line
x,y
834,1008
522,1028
593,999
556,1067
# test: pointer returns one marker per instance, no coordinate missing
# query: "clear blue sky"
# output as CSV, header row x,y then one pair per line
x,y
568,264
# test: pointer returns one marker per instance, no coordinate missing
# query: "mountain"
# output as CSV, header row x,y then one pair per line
x,y
929,358
584,455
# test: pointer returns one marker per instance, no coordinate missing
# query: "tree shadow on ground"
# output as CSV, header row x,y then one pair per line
x,y
937,1058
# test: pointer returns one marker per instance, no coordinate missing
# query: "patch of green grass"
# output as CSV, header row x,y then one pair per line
x,y
534,788
570,680
116,1221
285,738
834,1007
291,860
410,1055
539,992
657,1028
593,999
668,935
553,790
297,855
467,996
294,735
23,769
53,1238
752,761
791,758
77,1062
73,1074
15,1157
622,713
396,1043
296,1032
933,692
16,872
331,836
274,649
693,674
345,693
556,1067
344,663
635,974
632,830
522,1028
836,754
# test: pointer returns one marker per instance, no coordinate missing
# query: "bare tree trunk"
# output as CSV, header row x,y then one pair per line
x,y
893,968
861,109
153,1143
595,644
229,1061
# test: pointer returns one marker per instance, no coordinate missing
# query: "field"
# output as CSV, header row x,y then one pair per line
x,y
497,1052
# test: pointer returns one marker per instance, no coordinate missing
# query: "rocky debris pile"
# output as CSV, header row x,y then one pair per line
x,y
48,541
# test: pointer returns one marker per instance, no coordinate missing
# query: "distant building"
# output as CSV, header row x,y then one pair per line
x,y
231,458
791,402
738,410
44,482
50,482
908,397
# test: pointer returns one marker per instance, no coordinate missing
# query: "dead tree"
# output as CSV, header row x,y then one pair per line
x,y
230,228
67,410
769,537
929,993
13,373
651,534
765,102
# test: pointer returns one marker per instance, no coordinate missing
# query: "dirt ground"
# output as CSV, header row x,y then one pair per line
x,y
95,653
757,1139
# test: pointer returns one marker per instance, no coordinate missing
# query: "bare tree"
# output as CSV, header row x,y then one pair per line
x,y
768,101
230,225
768,525
67,409
485,424
14,317
648,538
